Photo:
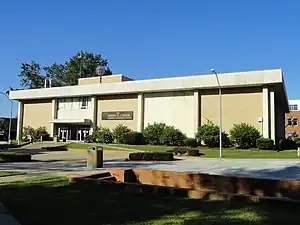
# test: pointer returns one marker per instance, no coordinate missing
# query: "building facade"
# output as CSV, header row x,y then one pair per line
x,y
257,98
292,126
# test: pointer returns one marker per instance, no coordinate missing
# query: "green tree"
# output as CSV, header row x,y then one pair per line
x,y
32,74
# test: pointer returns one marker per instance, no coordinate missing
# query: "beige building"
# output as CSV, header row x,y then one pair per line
x,y
256,97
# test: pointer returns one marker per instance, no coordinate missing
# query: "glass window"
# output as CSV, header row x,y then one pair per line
x,y
293,107
293,121
84,102
61,103
292,134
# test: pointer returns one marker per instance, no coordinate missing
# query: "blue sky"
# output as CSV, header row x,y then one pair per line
x,y
150,39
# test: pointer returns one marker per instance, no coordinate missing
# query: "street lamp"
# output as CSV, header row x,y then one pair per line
x,y
11,109
220,112
80,57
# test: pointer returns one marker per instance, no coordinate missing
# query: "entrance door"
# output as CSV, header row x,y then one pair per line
x,y
82,133
63,134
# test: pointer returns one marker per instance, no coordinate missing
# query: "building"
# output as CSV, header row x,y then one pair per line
x,y
4,127
255,97
292,126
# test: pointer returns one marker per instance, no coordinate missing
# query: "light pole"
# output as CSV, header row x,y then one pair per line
x,y
220,112
11,109
80,57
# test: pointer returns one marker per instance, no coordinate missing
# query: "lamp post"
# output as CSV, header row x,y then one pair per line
x,y
220,112
11,109
80,57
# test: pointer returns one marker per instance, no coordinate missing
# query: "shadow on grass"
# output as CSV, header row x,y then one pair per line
x,y
56,201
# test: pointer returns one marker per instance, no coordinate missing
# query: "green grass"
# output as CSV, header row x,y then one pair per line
x,y
53,200
83,146
10,173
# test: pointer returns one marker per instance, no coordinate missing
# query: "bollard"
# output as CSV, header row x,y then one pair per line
x,y
95,157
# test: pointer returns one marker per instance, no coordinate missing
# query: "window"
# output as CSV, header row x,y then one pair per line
x,y
61,104
293,107
293,121
292,134
84,102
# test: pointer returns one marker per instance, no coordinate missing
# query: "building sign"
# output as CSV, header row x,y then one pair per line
x,y
117,115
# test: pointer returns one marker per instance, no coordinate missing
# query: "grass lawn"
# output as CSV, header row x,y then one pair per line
x,y
10,173
153,148
53,200
84,146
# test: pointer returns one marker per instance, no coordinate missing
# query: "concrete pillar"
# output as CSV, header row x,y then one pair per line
x,y
53,117
20,121
272,116
266,118
95,109
140,113
196,111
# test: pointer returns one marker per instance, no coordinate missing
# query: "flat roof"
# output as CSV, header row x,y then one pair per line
x,y
227,80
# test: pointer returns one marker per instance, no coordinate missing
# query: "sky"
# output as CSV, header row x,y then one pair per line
x,y
151,39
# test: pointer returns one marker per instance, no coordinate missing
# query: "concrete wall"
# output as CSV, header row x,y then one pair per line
x,y
38,113
239,105
172,108
117,103
104,79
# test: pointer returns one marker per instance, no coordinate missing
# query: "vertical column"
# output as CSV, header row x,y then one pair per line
x,y
140,113
272,115
94,109
265,129
20,121
196,111
53,117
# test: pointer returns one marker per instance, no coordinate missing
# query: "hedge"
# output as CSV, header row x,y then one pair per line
x,y
185,151
133,138
14,157
265,143
151,156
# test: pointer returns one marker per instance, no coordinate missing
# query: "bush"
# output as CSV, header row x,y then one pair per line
x,y
151,156
153,133
185,151
172,136
35,134
14,157
133,138
244,135
297,141
191,142
286,144
265,143
118,132
209,134
100,135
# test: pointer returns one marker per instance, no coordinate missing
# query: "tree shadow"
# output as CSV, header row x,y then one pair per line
x,y
91,203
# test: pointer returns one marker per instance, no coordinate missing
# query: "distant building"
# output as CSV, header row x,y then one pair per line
x,y
254,97
5,126
292,125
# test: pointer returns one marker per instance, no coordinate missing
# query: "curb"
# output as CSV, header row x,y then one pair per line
x,y
6,218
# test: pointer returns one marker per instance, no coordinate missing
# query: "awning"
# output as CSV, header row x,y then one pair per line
x,y
72,121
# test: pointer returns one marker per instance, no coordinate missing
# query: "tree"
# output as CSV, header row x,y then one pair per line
x,y
32,74
4,127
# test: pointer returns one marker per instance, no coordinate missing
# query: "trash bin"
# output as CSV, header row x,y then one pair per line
x,y
95,157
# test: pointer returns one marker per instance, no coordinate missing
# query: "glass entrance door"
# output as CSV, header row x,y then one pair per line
x,y
82,133
63,134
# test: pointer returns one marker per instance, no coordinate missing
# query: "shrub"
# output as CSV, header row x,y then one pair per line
x,y
100,135
14,157
265,143
35,134
172,136
133,138
40,132
297,141
191,142
209,134
185,151
118,132
244,135
151,156
153,133
286,144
